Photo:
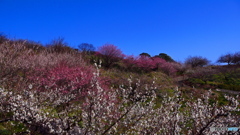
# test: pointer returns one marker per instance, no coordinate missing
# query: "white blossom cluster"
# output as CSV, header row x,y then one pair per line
x,y
125,110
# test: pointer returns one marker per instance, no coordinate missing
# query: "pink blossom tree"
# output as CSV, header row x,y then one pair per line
x,y
147,64
129,62
63,77
110,54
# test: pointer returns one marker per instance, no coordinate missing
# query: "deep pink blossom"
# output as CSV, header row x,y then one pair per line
x,y
63,77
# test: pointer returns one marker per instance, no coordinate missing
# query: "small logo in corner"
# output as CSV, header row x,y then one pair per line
x,y
232,128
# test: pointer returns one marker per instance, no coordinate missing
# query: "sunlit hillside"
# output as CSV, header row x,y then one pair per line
x,y
56,89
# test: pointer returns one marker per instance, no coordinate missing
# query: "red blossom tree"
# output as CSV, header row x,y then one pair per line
x,y
110,54
144,63
63,78
129,62
164,66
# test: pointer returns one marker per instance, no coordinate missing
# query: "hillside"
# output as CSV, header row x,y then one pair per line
x,y
55,89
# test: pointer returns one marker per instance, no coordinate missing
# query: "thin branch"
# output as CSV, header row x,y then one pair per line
x,y
211,121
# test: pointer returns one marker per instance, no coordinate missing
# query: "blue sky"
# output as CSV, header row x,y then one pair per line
x,y
180,28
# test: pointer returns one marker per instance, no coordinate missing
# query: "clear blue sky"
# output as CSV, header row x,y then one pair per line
x,y
180,28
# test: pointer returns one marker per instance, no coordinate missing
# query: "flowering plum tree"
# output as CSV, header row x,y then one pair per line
x,y
146,63
63,78
126,110
110,54
169,68
129,62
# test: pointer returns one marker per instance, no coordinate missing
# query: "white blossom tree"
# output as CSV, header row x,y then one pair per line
x,y
126,110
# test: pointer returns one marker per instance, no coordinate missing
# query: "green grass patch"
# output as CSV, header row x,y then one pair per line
x,y
12,127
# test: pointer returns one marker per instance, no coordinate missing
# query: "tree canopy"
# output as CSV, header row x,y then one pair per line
x,y
197,61
110,54
86,47
230,58
145,54
165,57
